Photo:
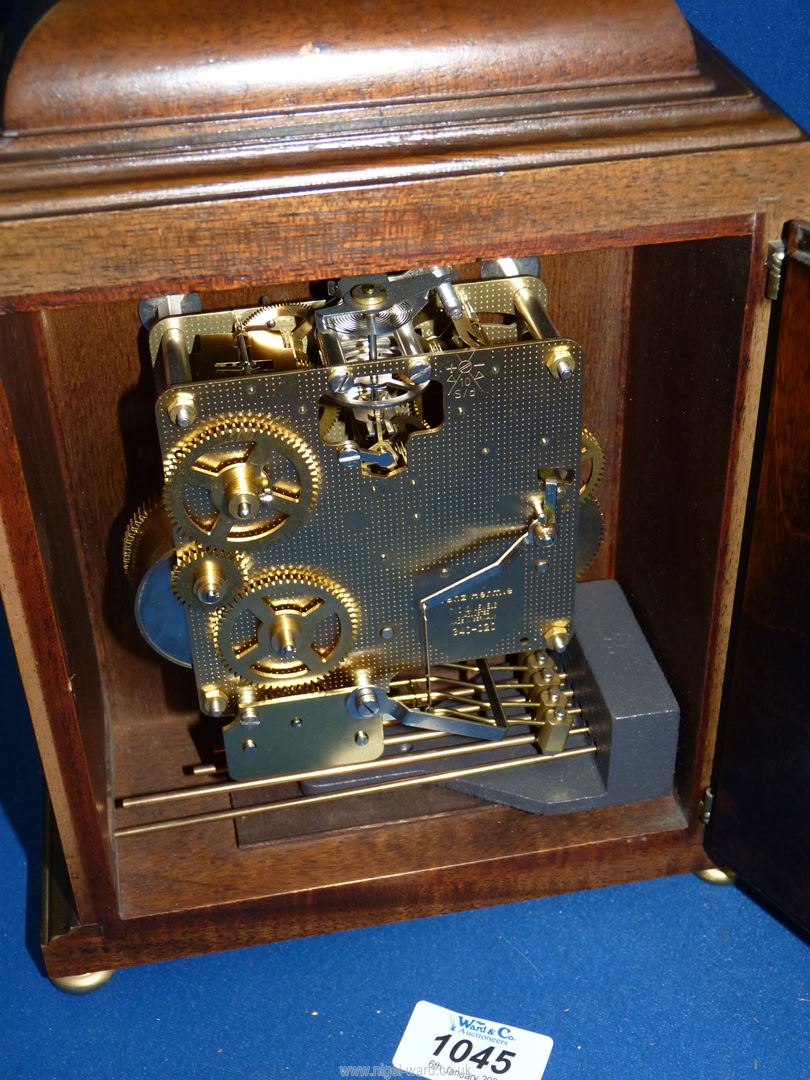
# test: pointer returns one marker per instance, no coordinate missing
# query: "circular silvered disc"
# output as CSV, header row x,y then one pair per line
x,y
160,615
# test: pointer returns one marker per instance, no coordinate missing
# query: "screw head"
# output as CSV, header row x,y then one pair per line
x,y
248,717
361,738
296,722
249,746
365,702
419,371
387,633
348,454
341,381
544,535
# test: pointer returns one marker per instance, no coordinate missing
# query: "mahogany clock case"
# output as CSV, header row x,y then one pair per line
x,y
650,199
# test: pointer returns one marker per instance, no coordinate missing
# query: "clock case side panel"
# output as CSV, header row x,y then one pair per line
x,y
760,820
44,597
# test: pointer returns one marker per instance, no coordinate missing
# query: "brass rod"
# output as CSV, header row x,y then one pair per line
x,y
473,707
318,774
416,737
461,667
440,695
409,739
463,714
423,679
449,695
207,770
333,796
466,683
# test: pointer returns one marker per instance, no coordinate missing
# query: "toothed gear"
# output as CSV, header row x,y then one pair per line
x,y
257,318
239,463
144,523
591,461
590,533
225,571
290,610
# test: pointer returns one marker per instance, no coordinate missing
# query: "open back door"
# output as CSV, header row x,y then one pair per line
x,y
760,822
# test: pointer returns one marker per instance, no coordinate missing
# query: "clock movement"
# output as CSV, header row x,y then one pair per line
x,y
392,410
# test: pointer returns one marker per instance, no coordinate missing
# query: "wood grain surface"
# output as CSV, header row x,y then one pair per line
x,y
761,826
524,857
123,63
65,710
685,345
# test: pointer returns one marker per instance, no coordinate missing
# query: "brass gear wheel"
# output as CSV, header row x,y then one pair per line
x,y
148,535
202,577
239,479
287,627
591,462
590,533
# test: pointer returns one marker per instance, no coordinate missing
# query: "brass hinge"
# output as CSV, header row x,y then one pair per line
x,y
706,806
774,263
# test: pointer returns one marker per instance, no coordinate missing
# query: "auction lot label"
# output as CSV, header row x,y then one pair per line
x,y
439,1042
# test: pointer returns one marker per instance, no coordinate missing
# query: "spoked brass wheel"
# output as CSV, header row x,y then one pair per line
x,y
240,479
287,627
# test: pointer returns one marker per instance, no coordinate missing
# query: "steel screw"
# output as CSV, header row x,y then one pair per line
x,y
419,371
361,738
341,381
544,535
249,746
365,702
248,717
348,454
387,633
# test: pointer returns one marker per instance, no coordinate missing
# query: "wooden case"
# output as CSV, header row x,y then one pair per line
x,y
138,159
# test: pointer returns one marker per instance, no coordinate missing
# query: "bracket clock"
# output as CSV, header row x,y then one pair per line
x,y
404,474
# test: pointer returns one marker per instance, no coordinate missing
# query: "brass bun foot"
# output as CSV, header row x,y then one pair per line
x,y
717,876
83,984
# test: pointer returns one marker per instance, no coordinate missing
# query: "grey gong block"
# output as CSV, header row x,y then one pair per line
x,y
628,705
626,702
